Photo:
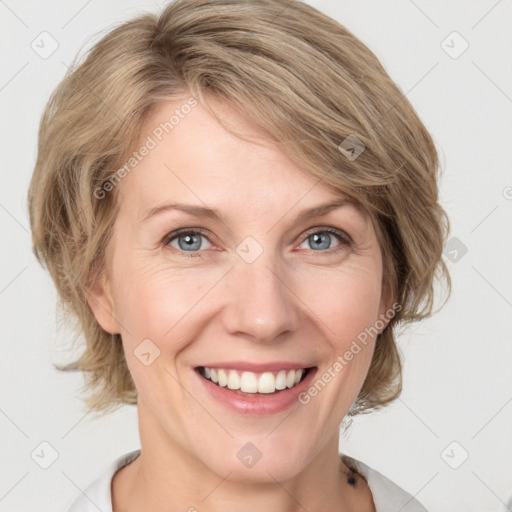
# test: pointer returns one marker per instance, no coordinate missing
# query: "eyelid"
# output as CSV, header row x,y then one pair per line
x,y
329,229
173,234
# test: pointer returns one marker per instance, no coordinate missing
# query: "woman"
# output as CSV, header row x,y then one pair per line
x,y
239,206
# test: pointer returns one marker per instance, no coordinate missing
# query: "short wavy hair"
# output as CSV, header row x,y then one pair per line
x,y
308,83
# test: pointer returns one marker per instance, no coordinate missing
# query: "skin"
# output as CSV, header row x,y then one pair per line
x,y
294,302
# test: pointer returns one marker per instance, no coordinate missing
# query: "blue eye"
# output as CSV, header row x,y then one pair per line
x,y
322,239
190,241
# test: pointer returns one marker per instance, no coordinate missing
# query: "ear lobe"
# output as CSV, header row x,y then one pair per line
x,y
100,301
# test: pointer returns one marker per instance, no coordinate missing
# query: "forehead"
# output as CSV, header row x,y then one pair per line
x,y
194,159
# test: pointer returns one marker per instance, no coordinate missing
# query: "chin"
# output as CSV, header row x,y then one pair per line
x,y
249,464
261,473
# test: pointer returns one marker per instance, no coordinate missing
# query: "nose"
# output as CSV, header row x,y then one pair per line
x,y
262,306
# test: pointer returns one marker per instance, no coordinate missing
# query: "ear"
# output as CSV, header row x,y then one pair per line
x,y
99,298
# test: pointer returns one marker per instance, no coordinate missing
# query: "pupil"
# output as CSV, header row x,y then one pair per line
x,y
189,241
318,240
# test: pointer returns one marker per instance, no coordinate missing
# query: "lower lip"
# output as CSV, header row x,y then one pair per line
x,y
257,404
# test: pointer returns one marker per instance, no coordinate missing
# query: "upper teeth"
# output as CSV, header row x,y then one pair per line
x,y
250,382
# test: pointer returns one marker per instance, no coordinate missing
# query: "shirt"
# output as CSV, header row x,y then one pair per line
x,y
387,496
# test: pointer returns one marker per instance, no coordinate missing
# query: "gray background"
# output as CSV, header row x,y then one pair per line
x,y
457,393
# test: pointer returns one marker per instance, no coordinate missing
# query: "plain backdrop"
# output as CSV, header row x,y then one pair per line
x,y
447,440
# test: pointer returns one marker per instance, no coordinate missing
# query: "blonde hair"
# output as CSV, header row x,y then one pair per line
x,y
308,83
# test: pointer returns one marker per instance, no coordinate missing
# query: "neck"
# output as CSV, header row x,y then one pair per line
x,y
165,478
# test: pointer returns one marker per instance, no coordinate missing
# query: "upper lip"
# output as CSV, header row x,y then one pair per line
x,y
257,367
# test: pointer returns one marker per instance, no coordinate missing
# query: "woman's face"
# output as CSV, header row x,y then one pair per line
x,y
250,294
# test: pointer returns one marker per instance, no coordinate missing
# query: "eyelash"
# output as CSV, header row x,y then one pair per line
x,y
344,239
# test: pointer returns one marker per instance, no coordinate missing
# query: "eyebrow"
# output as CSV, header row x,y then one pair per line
x,y
214,214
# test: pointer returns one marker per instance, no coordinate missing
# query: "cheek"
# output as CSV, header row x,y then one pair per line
x,y
346,299
155,299
154,304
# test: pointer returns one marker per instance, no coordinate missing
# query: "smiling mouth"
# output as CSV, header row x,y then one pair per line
x,y
251,383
